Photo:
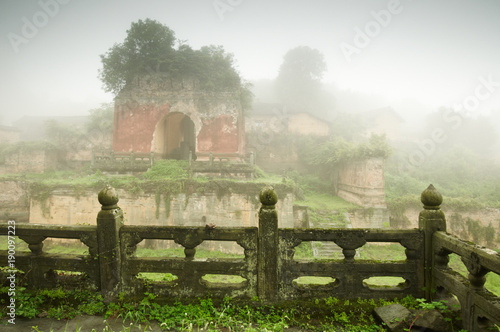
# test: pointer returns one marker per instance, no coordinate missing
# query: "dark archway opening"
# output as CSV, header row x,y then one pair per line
x,y
179,136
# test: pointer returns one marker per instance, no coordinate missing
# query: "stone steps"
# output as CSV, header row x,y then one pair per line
x,y
330,219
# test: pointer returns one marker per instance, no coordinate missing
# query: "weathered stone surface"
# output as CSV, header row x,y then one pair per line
x,y
430,197
362,182
109,221
396,317
143,111
230,209
431,321
108,196
14,202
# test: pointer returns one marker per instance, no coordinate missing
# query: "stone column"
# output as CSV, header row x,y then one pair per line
x,y
109,221
430,220
268,245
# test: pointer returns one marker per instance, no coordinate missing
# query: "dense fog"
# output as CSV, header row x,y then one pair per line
x,y
431,66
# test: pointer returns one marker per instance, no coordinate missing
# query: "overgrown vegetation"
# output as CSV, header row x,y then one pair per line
x,y
165,179
330,314
338,150
467,181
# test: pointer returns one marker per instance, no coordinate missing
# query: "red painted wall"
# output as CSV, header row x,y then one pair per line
x,y
134,126
219,135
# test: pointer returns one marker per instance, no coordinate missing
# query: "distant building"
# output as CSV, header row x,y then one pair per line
x,y
383,121
276,118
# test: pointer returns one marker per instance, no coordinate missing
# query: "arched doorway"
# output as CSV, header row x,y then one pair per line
x,y
175,136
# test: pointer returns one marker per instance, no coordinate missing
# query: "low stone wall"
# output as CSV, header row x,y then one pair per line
x,y
370,218
14,201
230,210
362,182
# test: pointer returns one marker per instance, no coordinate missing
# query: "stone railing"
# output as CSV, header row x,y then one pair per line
x,y
221,165
268,269
480,308
109,161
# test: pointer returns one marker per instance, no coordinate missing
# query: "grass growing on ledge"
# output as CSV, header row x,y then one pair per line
x,y
323,201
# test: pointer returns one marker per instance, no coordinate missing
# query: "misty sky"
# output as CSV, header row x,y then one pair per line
x,y
436,53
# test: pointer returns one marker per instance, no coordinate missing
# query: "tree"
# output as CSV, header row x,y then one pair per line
x,y
149,49
298,84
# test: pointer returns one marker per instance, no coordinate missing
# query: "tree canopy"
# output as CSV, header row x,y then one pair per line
x,y
149,49
299,86
299,79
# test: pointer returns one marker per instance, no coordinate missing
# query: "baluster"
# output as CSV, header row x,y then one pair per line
x,y
477,273
35,276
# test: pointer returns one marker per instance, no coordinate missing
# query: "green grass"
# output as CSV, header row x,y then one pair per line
x,y
179,252
320,281
151,276
329,314
383,252
324,201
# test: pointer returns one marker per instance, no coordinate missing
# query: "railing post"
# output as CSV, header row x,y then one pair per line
x,y
36,275
268,245
430,220
109,221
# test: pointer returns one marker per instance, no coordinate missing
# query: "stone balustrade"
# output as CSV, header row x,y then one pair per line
x,y
268,268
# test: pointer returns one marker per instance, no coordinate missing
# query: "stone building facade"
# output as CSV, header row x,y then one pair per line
x,y
172,117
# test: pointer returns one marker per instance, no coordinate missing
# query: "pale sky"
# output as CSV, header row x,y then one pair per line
x,y
437,53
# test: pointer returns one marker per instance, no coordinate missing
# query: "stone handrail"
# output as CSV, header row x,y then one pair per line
x,y
349,273
121,161
268,267
480,308
40,266
189,270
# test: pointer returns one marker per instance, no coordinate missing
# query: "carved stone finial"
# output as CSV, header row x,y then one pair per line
x,y
431,198
267,196
108,197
